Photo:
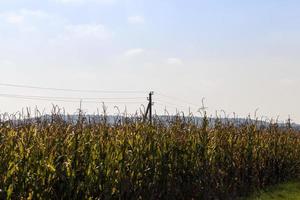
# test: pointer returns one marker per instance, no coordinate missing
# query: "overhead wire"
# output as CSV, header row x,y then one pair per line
x,y
72,90
180,100
181,106
75,98
62,100
93,99
165,103
164,106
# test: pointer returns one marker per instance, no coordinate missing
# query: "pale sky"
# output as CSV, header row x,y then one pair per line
x,y
239,55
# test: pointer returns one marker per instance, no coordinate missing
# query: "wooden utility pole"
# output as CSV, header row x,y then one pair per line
x,y
149,107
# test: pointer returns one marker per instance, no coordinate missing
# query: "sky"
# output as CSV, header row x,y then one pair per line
x,y
239,55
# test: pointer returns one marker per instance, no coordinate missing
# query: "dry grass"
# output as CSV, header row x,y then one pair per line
x,y
42,159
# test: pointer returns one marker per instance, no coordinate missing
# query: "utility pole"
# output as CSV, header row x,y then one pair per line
x,y
149,107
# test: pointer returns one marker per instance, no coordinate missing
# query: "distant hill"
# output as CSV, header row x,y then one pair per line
x,y
111,119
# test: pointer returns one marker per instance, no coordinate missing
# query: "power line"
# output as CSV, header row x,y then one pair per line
x,y
168,103
35,98
164,106
72,99
183,101
177,105
76,98
62,100
72,90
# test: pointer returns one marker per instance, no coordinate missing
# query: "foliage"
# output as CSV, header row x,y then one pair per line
x,y
54,158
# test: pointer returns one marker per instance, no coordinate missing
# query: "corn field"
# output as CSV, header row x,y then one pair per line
x,y
178,159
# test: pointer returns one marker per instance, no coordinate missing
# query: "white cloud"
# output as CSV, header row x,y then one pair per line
x,y
136,20
134,52
84,1
35,13
14,18
25,20
19,17
81,31
174,61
